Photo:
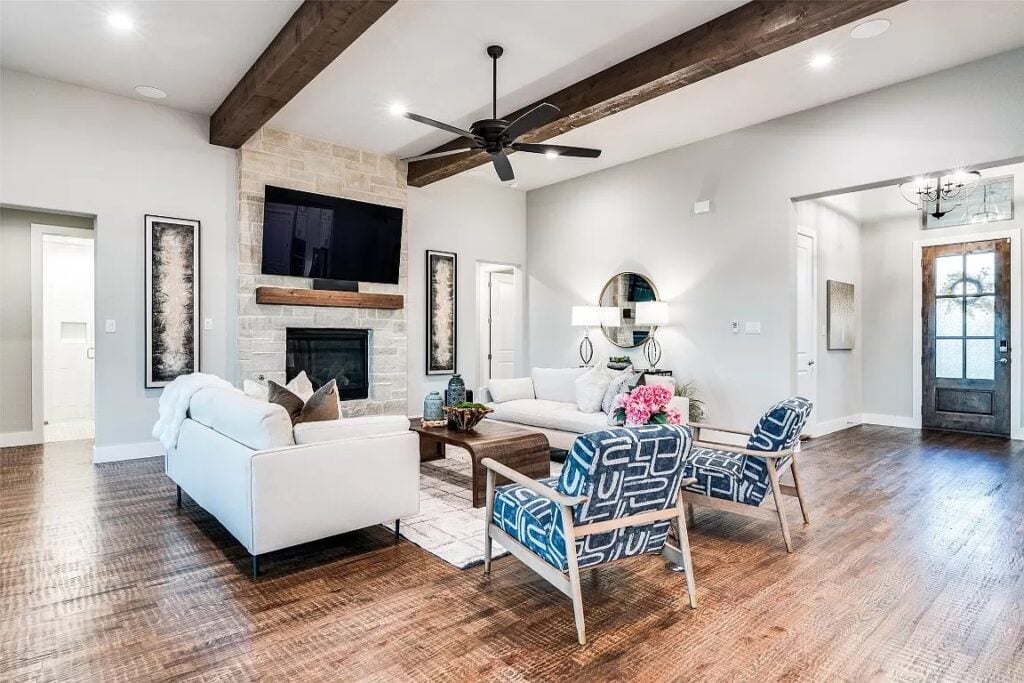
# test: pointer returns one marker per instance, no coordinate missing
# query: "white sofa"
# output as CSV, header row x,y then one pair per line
x,y
273,486
545,403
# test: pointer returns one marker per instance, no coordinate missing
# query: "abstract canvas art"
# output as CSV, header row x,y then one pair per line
x,y
841,316
441,312
172,299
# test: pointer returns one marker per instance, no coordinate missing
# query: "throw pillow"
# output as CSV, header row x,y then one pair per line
x,y
618,384
590,389
510,389
300,386
557,384
286,399
322,405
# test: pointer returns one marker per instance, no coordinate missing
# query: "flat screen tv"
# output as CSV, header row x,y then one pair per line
x,y
316,236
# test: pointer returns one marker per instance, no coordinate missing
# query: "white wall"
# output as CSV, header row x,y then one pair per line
x,y
737,263
888,245
478,221
71,149
16,312
838,244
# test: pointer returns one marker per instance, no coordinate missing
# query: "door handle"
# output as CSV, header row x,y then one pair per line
x,y
810,363
90,353
1003,361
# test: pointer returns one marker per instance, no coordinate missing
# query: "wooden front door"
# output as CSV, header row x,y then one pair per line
x,y
966,345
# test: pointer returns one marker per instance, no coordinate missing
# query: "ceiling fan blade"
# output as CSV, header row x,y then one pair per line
x,y
537,116
503,166
438,124
560,150
464,146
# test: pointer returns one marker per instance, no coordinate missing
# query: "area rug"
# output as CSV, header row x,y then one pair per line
x,y
448,525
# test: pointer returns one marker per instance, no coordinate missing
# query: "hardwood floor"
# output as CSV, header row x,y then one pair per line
x,y
912,569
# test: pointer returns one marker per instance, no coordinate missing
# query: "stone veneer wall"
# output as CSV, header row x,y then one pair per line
x,y
275,157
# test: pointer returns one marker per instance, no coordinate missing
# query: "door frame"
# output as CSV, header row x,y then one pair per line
x,y
38,230
483,270
811,233
1012,234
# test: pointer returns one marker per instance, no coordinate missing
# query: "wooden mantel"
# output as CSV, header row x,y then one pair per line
x,y
292,296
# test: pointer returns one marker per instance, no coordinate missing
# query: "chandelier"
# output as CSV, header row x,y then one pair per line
x,y
940,195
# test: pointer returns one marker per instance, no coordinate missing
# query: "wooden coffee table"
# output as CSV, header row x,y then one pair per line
x,y
522,450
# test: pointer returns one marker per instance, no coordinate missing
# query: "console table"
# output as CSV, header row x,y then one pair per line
x,y
522,450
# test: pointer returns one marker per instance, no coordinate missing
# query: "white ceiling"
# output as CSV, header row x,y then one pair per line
x,y
194,51
429,56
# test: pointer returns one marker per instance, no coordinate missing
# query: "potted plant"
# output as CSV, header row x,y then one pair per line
x,y
697,410
464,416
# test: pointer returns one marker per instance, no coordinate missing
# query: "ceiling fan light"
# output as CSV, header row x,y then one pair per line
x,y
551,154
397,109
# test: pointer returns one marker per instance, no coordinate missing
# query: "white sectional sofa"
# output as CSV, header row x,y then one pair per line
x,y
546,403
274,486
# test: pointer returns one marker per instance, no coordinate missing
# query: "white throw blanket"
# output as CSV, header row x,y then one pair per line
x,y
174,404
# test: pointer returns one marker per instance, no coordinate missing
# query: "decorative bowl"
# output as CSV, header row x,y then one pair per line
x,y
465,418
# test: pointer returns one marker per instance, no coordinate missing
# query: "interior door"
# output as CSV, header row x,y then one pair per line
x,y
966,345
68,365
806,305
503,327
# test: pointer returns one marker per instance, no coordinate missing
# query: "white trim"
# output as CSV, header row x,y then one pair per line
x,y
1012,234
127,451
36,273
888,420
836,425
483,270
9,439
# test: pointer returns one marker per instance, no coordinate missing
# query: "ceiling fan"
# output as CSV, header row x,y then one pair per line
x,y
495,135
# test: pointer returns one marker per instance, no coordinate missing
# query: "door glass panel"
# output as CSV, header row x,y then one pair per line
x,y
949,317
949,274
981,359
981,316
981,273
949,358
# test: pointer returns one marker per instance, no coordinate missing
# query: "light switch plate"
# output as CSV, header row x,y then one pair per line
x,y
207,323
110,326
735,326
752,328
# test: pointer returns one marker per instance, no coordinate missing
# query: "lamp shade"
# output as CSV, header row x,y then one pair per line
x,y
586,316
652,313
611,316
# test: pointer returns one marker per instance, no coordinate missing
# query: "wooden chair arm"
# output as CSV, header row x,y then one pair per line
x,y
535,486
743,451
718,428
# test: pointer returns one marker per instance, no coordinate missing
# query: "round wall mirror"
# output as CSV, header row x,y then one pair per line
x,y
623,292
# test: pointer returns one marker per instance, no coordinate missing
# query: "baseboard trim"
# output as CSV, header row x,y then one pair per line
x,y
889,420
126,451
836,425
9,439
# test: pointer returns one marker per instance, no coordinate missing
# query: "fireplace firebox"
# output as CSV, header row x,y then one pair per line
x,y
327,354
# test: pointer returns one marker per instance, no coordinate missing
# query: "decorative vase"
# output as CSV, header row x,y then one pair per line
x,y
456,390
433,407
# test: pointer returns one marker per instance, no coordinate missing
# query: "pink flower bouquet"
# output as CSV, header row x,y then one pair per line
x,y
646,405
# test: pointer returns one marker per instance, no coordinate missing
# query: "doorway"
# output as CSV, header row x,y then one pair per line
x,y
806,317
966,337
63,333
500,328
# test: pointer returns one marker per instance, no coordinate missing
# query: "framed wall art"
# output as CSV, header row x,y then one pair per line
x,y
442,281
172,299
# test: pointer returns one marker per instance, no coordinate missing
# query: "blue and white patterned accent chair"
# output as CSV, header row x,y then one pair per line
x,y
617,495
738,479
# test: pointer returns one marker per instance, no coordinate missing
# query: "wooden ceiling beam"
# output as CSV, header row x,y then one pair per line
x,y
310,40
751,31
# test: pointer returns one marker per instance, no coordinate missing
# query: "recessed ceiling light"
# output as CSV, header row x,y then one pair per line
x,y
397,109
150,92
820,60
870,28
551,154
120,21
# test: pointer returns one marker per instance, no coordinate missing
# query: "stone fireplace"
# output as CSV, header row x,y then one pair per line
x,y
326,353
266,331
